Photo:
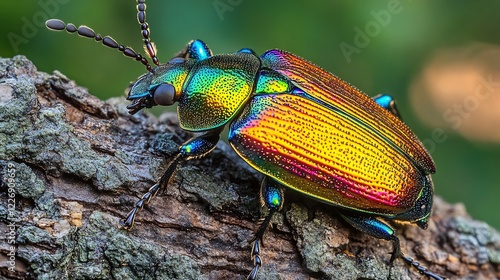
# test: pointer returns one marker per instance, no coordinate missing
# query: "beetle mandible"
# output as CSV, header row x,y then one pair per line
x,y
300,126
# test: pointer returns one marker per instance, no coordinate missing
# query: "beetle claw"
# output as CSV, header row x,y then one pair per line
x,y
257,261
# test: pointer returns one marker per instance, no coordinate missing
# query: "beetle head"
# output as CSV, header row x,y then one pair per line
x,y
162,86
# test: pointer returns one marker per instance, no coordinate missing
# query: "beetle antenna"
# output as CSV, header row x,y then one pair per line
x,y
149,46
84,31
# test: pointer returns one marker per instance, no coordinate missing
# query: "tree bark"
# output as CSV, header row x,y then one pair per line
x,y
73,166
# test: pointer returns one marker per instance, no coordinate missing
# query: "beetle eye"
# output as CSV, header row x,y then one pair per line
x,y
164,94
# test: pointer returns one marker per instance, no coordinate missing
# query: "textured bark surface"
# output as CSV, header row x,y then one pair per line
x,y
75,165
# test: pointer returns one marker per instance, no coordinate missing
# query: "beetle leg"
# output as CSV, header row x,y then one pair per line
x,y
247,50
271,195
379,229
195,49
193,148
388,103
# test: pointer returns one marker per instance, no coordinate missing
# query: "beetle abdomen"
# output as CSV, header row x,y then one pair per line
x,y
330,89
325,153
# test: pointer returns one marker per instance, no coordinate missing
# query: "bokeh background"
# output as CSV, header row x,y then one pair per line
x,y
440,60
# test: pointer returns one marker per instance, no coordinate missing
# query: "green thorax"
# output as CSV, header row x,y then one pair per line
x,y
216,89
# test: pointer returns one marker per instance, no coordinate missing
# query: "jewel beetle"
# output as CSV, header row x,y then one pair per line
x,y
300,126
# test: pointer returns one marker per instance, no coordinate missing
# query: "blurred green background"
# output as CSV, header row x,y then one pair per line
x,y
397,45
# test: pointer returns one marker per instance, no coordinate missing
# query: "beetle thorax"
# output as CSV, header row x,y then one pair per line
x,y
216,89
